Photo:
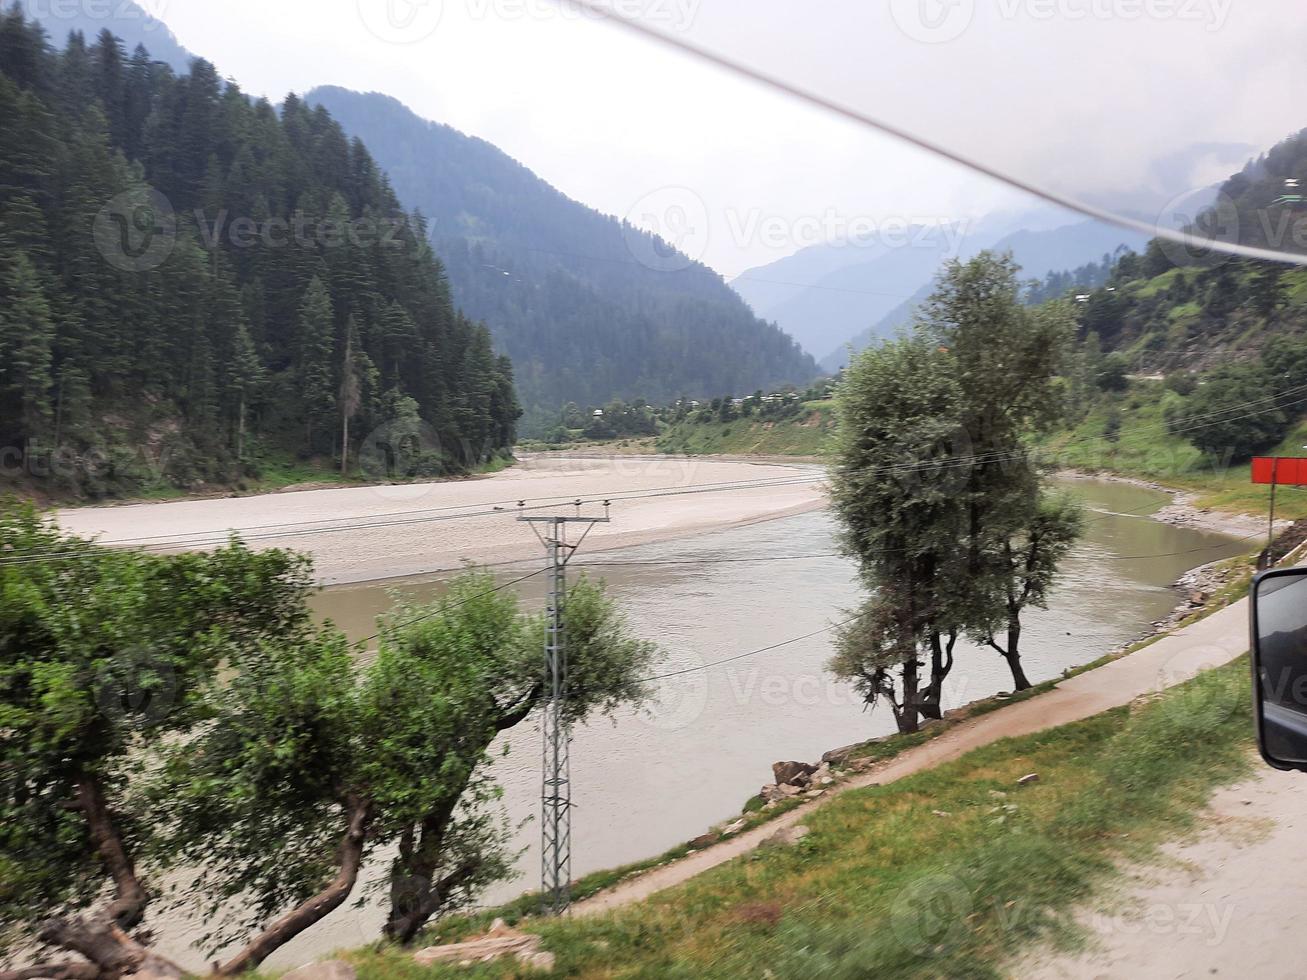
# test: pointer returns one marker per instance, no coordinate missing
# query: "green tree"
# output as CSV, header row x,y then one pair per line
x,y
1112,373
104,655
316,333
895,486
1008,358
1266,290
26,336
1023,571
309,765
938,495
1229,418
1285,360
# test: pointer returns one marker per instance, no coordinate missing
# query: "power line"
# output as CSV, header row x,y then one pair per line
x,y
443,607
276,531
202,538
847,112
835,626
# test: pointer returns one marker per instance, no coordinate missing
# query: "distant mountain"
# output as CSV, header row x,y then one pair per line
x,y
587,307
128,21
1185,176
826,294
1037,252
833,295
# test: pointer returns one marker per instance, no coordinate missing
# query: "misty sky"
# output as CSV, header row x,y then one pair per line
x,y
1080,95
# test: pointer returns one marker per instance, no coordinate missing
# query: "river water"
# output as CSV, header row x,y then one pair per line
x,y
659,776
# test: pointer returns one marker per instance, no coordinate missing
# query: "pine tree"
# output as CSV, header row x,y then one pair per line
x,y
350,391
26,335
314,366
218,342
245,378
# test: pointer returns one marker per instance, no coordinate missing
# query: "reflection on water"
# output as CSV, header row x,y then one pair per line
x,y
652,779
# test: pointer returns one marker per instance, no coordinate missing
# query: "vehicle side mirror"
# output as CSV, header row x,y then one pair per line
x,y
1279,655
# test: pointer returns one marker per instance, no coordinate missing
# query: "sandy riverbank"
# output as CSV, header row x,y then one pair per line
x,y
411,529
1182,511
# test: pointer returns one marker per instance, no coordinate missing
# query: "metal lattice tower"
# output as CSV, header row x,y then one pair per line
x,y
556,770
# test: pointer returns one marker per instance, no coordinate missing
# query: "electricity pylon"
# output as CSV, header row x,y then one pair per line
x,y
555,787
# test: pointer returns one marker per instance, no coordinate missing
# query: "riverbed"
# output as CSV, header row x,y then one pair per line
x,y
653,778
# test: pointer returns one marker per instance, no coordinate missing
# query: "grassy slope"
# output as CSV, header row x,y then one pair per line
x,y
886,886
1145,450
805,435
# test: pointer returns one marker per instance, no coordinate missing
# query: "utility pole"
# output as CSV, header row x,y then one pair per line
x,y
555,787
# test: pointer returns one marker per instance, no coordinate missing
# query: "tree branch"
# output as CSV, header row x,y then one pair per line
x,y
54,971
358,817
512,717
128,906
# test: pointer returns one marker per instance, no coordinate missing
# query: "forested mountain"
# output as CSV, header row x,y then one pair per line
x,y
1174,307
192,283
588,307
130,23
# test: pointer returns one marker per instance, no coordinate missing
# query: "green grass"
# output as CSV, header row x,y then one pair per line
x,y
1146,450
885,887
807,434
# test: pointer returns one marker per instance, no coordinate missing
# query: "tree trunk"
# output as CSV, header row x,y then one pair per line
x,y
128,906
1013,654
906,716
415,893
102,938
54,971
344,448
240,435
358,815
941,664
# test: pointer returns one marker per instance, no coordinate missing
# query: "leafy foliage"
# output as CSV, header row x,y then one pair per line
x,y
1228,417
103,658
940,500
300,740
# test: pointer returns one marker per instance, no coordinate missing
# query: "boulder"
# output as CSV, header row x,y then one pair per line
x,y
498,942
788,835
792,772
706,840
734,828
771,793
838,757
789,789
325,970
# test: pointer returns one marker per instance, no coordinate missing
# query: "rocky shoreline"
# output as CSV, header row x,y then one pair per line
x,y
1183,511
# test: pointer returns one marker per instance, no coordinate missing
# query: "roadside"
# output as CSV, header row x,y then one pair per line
x,y
1169,660
1226,902
946,872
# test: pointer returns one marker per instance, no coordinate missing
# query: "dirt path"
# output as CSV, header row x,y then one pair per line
x,y
411,529
1232,907
1170,660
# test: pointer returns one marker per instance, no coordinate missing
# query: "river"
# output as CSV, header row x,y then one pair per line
x,y
659,776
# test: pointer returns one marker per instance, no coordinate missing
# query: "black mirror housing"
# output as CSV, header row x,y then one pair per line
x,y
1278,620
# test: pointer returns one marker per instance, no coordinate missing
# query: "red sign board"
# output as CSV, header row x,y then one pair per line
x,y
1284,471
